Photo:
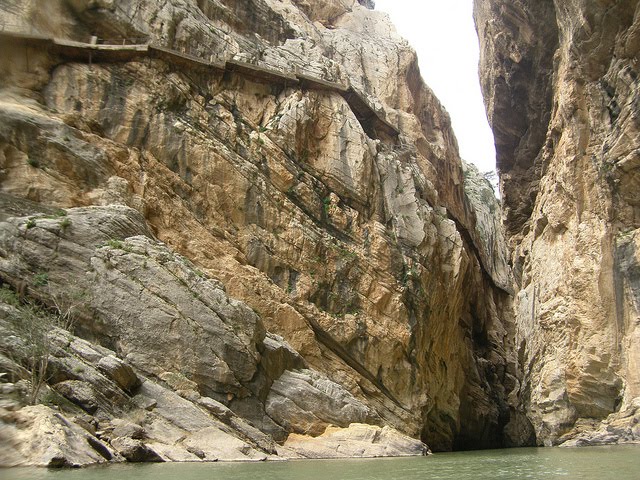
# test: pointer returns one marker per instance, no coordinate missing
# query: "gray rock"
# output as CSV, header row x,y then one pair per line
x,y
215,444
13,372
198,329
87,422
134,450
122,428
119,372
85,350
306,402
197,452
38,436
488,232
177,381
216,408
222,412
619,427
178,424
65,366
175,453
134,287
7,388
80,393
144,402
279,356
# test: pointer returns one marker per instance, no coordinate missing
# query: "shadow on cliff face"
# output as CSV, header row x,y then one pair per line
x,y
521,86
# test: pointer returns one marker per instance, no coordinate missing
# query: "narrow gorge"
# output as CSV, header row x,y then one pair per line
x,y
242,230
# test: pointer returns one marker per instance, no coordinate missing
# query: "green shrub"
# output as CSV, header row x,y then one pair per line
x,y
41,279
114,244
326,203
8,296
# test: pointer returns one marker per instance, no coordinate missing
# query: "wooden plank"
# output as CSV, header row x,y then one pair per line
x,y
99,53
372,122
261,73
184,59
314,83
28,39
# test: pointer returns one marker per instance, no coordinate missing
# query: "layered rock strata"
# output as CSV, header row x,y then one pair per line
x,y
177,342
364,252
560,81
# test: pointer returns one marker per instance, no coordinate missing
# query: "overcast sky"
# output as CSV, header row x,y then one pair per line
x,y
443,34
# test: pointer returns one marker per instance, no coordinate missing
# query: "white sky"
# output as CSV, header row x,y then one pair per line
x,y
443,34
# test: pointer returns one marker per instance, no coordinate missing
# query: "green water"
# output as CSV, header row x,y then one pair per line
x,y
589,463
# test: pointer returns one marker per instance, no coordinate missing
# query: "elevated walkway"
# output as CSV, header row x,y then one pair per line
x,y
77,50
261,73
99,52
310,82
182,59
372,122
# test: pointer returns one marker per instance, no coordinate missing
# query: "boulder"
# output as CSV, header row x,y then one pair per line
x,y
119,371
80,393
123,428
279,356
134,450
39,436
306,402
357,440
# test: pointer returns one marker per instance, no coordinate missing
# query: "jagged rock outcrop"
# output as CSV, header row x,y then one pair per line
x,y
214,349
47,439
561,88
289,150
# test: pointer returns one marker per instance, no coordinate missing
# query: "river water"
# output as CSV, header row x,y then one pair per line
x,y
587,463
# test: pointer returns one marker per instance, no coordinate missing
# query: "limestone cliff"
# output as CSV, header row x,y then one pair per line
x,y
291,151
560,80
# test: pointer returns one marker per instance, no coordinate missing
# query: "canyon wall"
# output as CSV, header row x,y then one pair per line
x,y
263,200
560,80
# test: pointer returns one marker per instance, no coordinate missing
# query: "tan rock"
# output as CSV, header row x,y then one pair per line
x,y
119,372
567,163
297,198
357,440
38,436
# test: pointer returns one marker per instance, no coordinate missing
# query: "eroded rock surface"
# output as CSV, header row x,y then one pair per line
x,y
358,440
144,403
331,211
561,88
39,436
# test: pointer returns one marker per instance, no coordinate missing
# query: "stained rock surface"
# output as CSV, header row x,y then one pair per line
x,y
259,199
560,81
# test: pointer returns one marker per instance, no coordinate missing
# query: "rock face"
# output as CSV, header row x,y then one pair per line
x,y
308,403
358,440
560,81
289,150
177,418
47,439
